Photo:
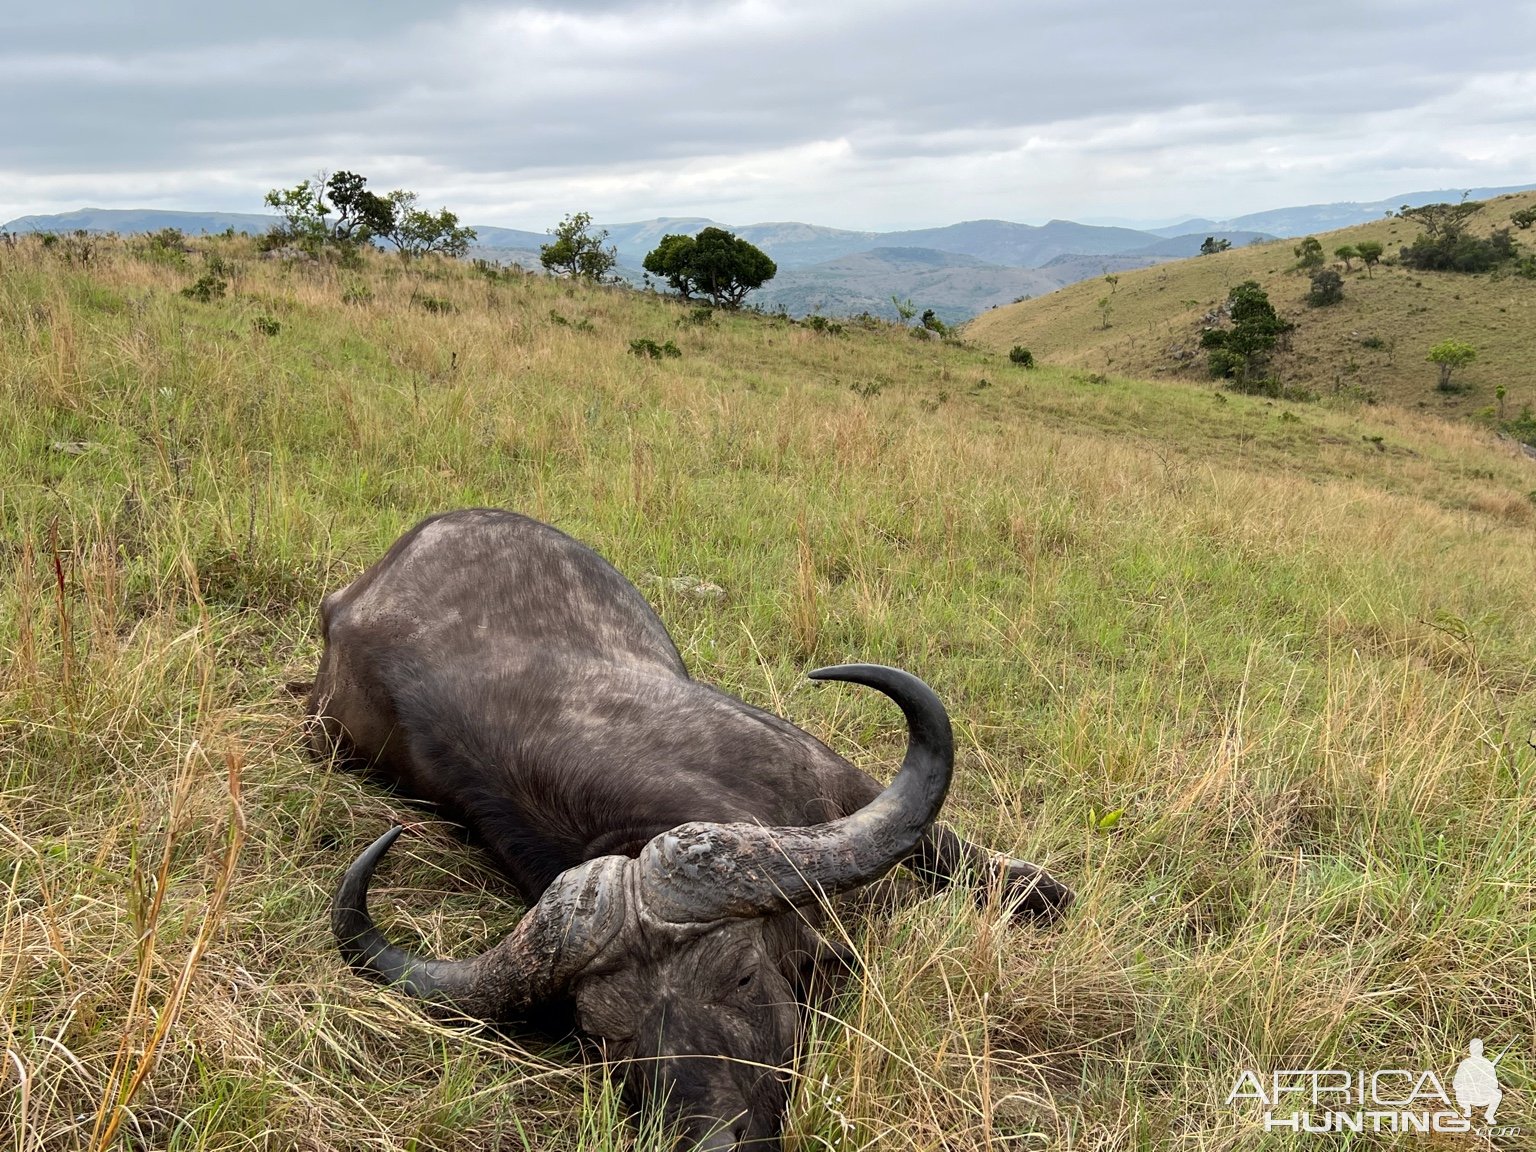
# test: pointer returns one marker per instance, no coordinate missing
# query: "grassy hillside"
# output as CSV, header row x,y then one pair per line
x,y
1291,644
1371,345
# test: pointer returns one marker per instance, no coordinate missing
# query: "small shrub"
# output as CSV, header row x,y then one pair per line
x,y
496,272
167,246
80,247
1456,251
1271,388
822,324
1372,342
357,294
1327,288
646,347
1523,426
866,389
206,289
1523,219
1021,356
435,304
266,326
218,266
701,317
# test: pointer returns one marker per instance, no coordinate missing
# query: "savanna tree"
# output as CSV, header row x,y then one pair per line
x,y
577,251
1244,348
415,231
715,263
339,211
671,260
1309,253
1450,355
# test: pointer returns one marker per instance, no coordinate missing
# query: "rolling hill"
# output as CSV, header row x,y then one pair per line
x,y
128,221
957,271
842,272
956,287
1302,219
1372,345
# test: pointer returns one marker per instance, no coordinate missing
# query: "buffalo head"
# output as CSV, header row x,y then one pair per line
x,y
683,961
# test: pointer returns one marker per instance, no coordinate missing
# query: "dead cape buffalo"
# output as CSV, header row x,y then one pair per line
x,y
672,843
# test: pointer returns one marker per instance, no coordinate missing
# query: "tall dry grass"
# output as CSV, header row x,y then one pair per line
x,y
1295,658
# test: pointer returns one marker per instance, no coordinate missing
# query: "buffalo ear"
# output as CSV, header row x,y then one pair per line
x,y
813,964
837,956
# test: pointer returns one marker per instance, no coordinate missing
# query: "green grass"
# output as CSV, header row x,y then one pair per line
x,y
1293,643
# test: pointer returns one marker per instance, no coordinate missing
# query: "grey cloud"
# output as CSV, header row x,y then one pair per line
x,y
140,26
510,92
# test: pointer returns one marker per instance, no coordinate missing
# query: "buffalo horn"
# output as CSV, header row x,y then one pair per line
x,y
578,915
702,872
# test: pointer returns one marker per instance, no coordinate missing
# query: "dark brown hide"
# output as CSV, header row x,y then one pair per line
x,y
500,669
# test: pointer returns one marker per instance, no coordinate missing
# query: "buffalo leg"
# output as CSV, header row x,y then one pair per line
x,y
944,858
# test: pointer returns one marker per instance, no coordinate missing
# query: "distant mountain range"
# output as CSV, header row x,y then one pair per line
x,y
132,220
1308,218
959,270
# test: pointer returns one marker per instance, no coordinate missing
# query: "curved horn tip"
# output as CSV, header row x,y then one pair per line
x,y
858,673
349,906
371,855
894,682
837,671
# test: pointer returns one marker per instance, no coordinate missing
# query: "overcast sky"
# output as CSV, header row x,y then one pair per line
x,y
870,115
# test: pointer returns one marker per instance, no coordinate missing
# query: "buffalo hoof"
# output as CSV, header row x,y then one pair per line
x,y
1031,891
